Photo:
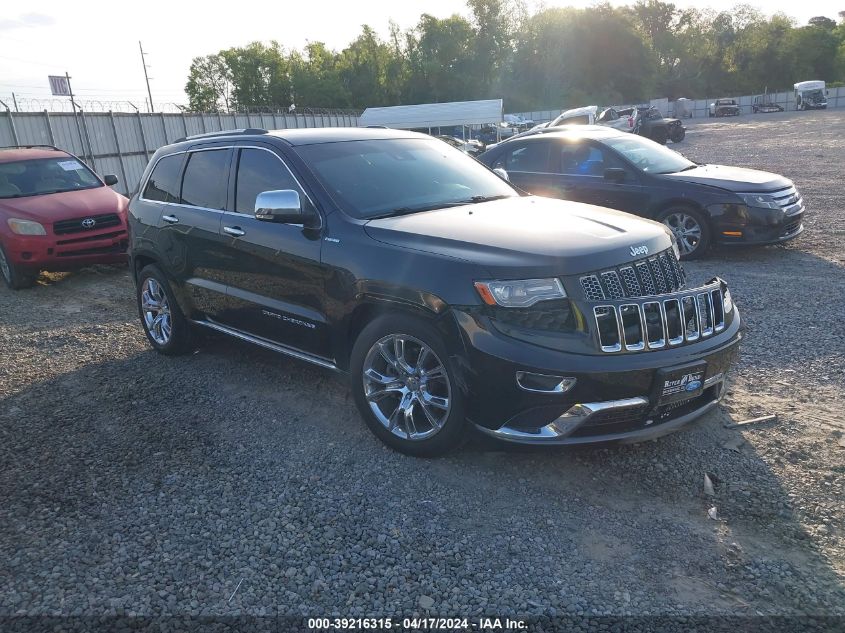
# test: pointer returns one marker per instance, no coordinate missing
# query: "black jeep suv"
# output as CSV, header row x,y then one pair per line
x,y
447,295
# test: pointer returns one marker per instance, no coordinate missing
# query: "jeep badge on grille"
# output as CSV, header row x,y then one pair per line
x,y
639,250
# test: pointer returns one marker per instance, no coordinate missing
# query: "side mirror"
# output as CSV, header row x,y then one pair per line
x,y
500,171
283,206
615,174
110,179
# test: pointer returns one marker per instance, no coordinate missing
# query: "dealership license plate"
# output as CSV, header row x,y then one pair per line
x,y
680,383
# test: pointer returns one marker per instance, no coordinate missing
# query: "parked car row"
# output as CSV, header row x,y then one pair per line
x,y
450,297
473,147
646,121
455,293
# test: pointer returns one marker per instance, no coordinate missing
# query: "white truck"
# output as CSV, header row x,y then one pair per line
x,y
810,95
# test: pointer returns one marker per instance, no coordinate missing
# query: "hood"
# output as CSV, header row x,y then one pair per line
x,y
67,205
526,236
737,179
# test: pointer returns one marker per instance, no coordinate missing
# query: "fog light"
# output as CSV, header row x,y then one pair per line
x,y
544,383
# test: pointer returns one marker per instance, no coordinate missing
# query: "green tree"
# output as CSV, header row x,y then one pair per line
x,y
316,78
260,75
366,69
209,86
553,58
494,22
440,53
570,57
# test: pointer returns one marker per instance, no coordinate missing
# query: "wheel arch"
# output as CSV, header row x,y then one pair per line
x,y
667,204
371,307
141,260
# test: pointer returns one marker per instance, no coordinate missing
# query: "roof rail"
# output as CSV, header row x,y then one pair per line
x,y
241,131
31,147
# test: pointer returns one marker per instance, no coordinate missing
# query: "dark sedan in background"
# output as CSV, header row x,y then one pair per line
x,y
701,204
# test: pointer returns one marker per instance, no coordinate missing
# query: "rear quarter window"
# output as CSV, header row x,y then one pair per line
x,y
163,185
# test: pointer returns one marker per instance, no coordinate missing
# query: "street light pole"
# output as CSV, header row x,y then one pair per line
x,y
146,76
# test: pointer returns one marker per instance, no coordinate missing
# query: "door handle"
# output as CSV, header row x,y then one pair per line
x,y
236,231
170,219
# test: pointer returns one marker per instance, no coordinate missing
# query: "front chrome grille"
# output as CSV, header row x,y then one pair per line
x,y
88,223
656,275
789,200
610,281
662,321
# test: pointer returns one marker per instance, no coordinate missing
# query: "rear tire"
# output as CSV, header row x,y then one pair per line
x,y
15,277
677,134
166,327
405,385
691,229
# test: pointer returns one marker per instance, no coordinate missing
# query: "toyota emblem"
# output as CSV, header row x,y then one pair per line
x,y
89,223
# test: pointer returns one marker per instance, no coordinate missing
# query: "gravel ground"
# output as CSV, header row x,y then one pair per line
x,y
235,481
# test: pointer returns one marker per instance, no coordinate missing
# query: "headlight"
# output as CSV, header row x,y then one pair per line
x,y
25,227
519,293
727,301
759,200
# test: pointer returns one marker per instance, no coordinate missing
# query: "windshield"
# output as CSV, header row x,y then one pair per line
x,y
23,178
376,178
648,155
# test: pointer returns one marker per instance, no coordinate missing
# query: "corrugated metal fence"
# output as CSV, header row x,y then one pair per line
x,y
121,143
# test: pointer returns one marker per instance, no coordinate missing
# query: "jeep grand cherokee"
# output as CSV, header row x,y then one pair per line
x,y
449,297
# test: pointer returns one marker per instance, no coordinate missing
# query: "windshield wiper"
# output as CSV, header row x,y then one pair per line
x,y
440,205
477,199
409,210
696,166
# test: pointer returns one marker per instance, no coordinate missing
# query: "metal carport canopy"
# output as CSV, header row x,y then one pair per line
x,y
426,115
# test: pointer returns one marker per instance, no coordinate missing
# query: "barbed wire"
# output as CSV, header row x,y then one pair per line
x,y
35,104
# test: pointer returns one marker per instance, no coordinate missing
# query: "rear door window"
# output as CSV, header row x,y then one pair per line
x,y
205,182
163,185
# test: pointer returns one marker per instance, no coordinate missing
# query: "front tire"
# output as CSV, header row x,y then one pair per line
x,y
659,135
677,134
166,327
15,277
691,229
404,383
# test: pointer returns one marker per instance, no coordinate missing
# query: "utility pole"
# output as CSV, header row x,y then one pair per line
x,y
75,118
146,76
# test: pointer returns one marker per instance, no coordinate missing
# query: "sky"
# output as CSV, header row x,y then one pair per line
x,y
97,42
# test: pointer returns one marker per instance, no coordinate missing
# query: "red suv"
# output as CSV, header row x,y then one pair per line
x,y
56,214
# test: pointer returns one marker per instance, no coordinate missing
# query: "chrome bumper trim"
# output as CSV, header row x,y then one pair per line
x,y
558,432
573,418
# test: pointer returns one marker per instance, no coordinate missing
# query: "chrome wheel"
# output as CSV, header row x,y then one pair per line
x,y
687,231
407,387
156,311
4,267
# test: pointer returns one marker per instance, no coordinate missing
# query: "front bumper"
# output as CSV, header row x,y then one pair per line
x,y
760,235
615,396
59,253
597,424
742,225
